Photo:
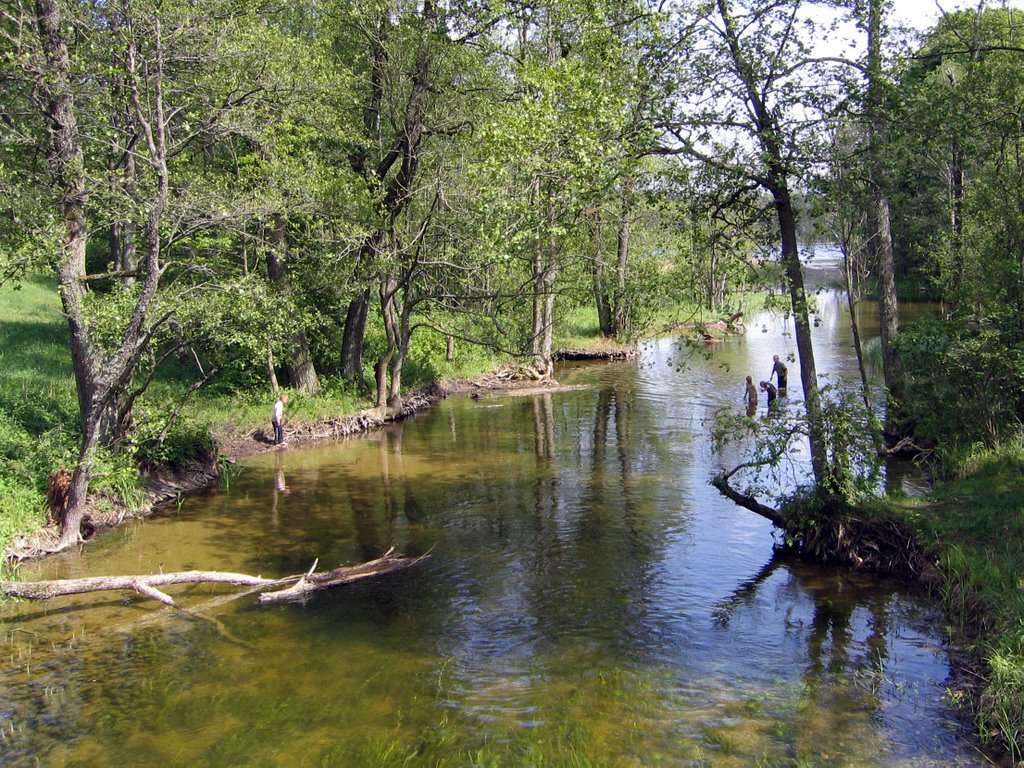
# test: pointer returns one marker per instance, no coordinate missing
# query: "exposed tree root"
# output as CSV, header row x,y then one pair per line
x,y
881,545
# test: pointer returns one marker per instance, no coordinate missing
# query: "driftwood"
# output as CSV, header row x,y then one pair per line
x,y
312,582
149,586
603,353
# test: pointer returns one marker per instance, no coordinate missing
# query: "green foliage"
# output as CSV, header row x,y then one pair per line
x,y
184,443
974,524
22,508
776,452
958,121
116,480
964,381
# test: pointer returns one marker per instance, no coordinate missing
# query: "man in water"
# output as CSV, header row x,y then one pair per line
x,y
767,386
780,372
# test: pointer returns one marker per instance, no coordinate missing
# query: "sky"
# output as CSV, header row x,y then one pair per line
x,y
923,14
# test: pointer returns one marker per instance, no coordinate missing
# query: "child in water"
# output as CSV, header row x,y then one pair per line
x,y
750,397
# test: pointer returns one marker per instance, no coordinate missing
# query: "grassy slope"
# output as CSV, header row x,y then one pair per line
x,y
976,525
38,407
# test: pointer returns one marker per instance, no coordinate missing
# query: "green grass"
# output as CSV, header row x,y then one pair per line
x,y
976,525
38,405
39,429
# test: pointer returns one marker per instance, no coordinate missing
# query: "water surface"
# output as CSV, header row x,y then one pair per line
x,y
589,600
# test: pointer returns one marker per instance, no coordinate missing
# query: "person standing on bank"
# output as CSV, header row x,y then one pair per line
x,y
780,372
277,419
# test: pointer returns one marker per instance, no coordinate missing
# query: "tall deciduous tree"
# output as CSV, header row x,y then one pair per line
x,y
754,112
871,17
101,377
128,103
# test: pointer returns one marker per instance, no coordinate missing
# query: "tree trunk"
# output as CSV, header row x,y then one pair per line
x,y
352,338
598,275
956,212
849,270
101,382
404,336
802,327
879,226
298,359
621,308
300,585
769,134
604,306
67,168
390,361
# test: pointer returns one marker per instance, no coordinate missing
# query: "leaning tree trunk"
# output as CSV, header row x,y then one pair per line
x,y
802,328
851,303
769,135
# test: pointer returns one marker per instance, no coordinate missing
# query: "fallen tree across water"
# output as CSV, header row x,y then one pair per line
x,y
296,587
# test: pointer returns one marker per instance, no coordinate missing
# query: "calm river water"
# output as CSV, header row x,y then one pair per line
x,y
589,600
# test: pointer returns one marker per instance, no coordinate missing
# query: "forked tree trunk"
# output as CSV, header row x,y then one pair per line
x,y
101,381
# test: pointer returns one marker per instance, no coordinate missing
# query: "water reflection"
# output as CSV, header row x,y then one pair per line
x,y
589,599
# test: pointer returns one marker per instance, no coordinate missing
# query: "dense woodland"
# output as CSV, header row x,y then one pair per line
x,y
236,195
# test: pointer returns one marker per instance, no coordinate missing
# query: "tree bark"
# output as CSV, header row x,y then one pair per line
x,y
352,337
621,309
298,359
599,276
301,585
879,225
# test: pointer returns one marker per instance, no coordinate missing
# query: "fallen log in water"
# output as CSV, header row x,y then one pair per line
x,y
312,582
301,584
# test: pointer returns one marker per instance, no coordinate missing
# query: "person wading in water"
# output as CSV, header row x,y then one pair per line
x,y
781,374
750,397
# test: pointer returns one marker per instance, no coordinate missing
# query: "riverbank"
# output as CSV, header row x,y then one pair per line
x,y
234,441
973,528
